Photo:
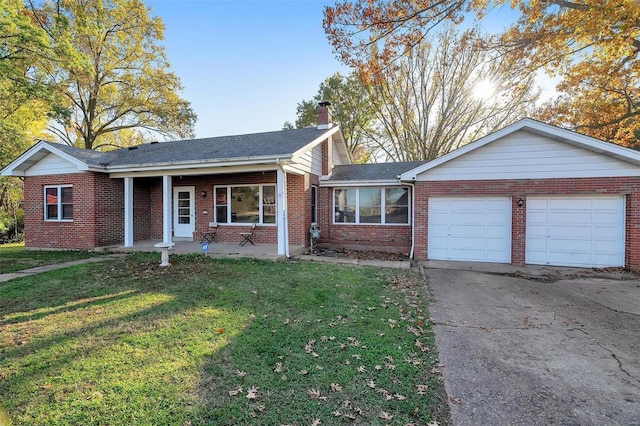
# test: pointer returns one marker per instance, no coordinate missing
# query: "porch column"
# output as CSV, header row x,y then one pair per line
x,y
282,221
128,212
166,209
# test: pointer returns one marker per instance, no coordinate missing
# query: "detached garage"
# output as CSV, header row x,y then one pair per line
x,y
530,193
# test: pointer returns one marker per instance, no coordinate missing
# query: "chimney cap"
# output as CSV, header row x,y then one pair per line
x,y
324,103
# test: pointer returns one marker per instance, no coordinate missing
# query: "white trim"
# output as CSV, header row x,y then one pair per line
x,y
359,183
128,212
12,168
227,220
282,220
58,204
166,209
539,128
382,208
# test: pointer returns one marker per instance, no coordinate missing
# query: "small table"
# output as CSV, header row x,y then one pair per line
x,y
164,248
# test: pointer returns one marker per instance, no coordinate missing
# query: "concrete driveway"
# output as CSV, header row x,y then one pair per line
x,y
537,346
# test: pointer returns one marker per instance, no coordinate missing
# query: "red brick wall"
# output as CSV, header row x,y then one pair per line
x,y
266,234
78,234
394,238
109,207
522,188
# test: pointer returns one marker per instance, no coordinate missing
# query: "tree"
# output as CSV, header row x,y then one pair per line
x,y
117,78
351,108
577,40
428,103
598,61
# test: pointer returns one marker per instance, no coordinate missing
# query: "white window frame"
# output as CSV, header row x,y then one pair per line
x,y
60,203
382,206
261,204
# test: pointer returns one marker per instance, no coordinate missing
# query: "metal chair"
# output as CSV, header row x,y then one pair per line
x,y
210,234
247,237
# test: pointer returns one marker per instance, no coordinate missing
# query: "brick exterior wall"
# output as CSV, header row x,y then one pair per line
x,y
628,186
92,225
391,238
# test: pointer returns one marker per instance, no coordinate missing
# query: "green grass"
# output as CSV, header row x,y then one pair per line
x,y
14,257
218,342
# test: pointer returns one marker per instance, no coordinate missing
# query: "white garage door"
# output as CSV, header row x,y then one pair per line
x,y
575,231
473,229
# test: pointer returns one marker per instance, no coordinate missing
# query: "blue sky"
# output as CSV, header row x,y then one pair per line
x,y
245,64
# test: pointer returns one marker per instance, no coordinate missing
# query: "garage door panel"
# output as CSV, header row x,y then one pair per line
x,y
471,229
575,231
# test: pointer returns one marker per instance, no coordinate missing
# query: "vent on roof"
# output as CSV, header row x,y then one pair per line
x,y
152,142
131,148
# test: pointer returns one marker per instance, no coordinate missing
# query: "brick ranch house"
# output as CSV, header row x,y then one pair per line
x,y
530,193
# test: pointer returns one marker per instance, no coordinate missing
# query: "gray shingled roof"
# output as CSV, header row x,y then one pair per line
x,y
376,171
270,144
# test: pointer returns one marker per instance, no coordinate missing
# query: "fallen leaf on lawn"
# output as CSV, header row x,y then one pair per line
x,y
319,367
433,423
389,358
315,422
336,387
378,367
254,292
220,330
455,400
241,373
303,372
278,367
350,416
337,413
252,392
385,416
313,393
235,392
390,366
362,369
359,411
399,397
260,408
421,389
371,384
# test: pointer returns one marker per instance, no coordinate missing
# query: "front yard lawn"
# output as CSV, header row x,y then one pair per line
x,y
219,342
14,257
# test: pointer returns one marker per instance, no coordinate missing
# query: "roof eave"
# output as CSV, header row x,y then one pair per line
x,y
227,162
360,182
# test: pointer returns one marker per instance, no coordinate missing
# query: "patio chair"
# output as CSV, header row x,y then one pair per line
x,y
247,237
210,234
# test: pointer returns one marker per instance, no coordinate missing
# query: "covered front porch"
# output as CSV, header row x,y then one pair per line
x,y
217,250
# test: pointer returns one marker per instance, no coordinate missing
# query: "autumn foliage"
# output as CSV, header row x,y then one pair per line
x,y
592,46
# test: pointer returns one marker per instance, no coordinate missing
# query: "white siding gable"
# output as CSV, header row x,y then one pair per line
x,y
524,155
51,165
336,158
310,161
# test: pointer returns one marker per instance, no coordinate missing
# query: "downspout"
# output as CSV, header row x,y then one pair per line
x,y
413,219
285,215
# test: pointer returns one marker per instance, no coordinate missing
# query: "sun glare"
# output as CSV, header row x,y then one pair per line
x,y
484,90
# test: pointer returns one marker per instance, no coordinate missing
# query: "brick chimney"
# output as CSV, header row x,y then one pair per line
x,y
324,116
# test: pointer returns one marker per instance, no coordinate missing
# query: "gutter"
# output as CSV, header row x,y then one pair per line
x,y
413,219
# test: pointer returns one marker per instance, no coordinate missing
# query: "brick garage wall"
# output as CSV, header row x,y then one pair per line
x,y
81,233
392,238
628,186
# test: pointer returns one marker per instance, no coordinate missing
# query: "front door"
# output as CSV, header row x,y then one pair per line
x,y
184,223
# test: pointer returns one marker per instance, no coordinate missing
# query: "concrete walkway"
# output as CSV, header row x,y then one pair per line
x,y
53,267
